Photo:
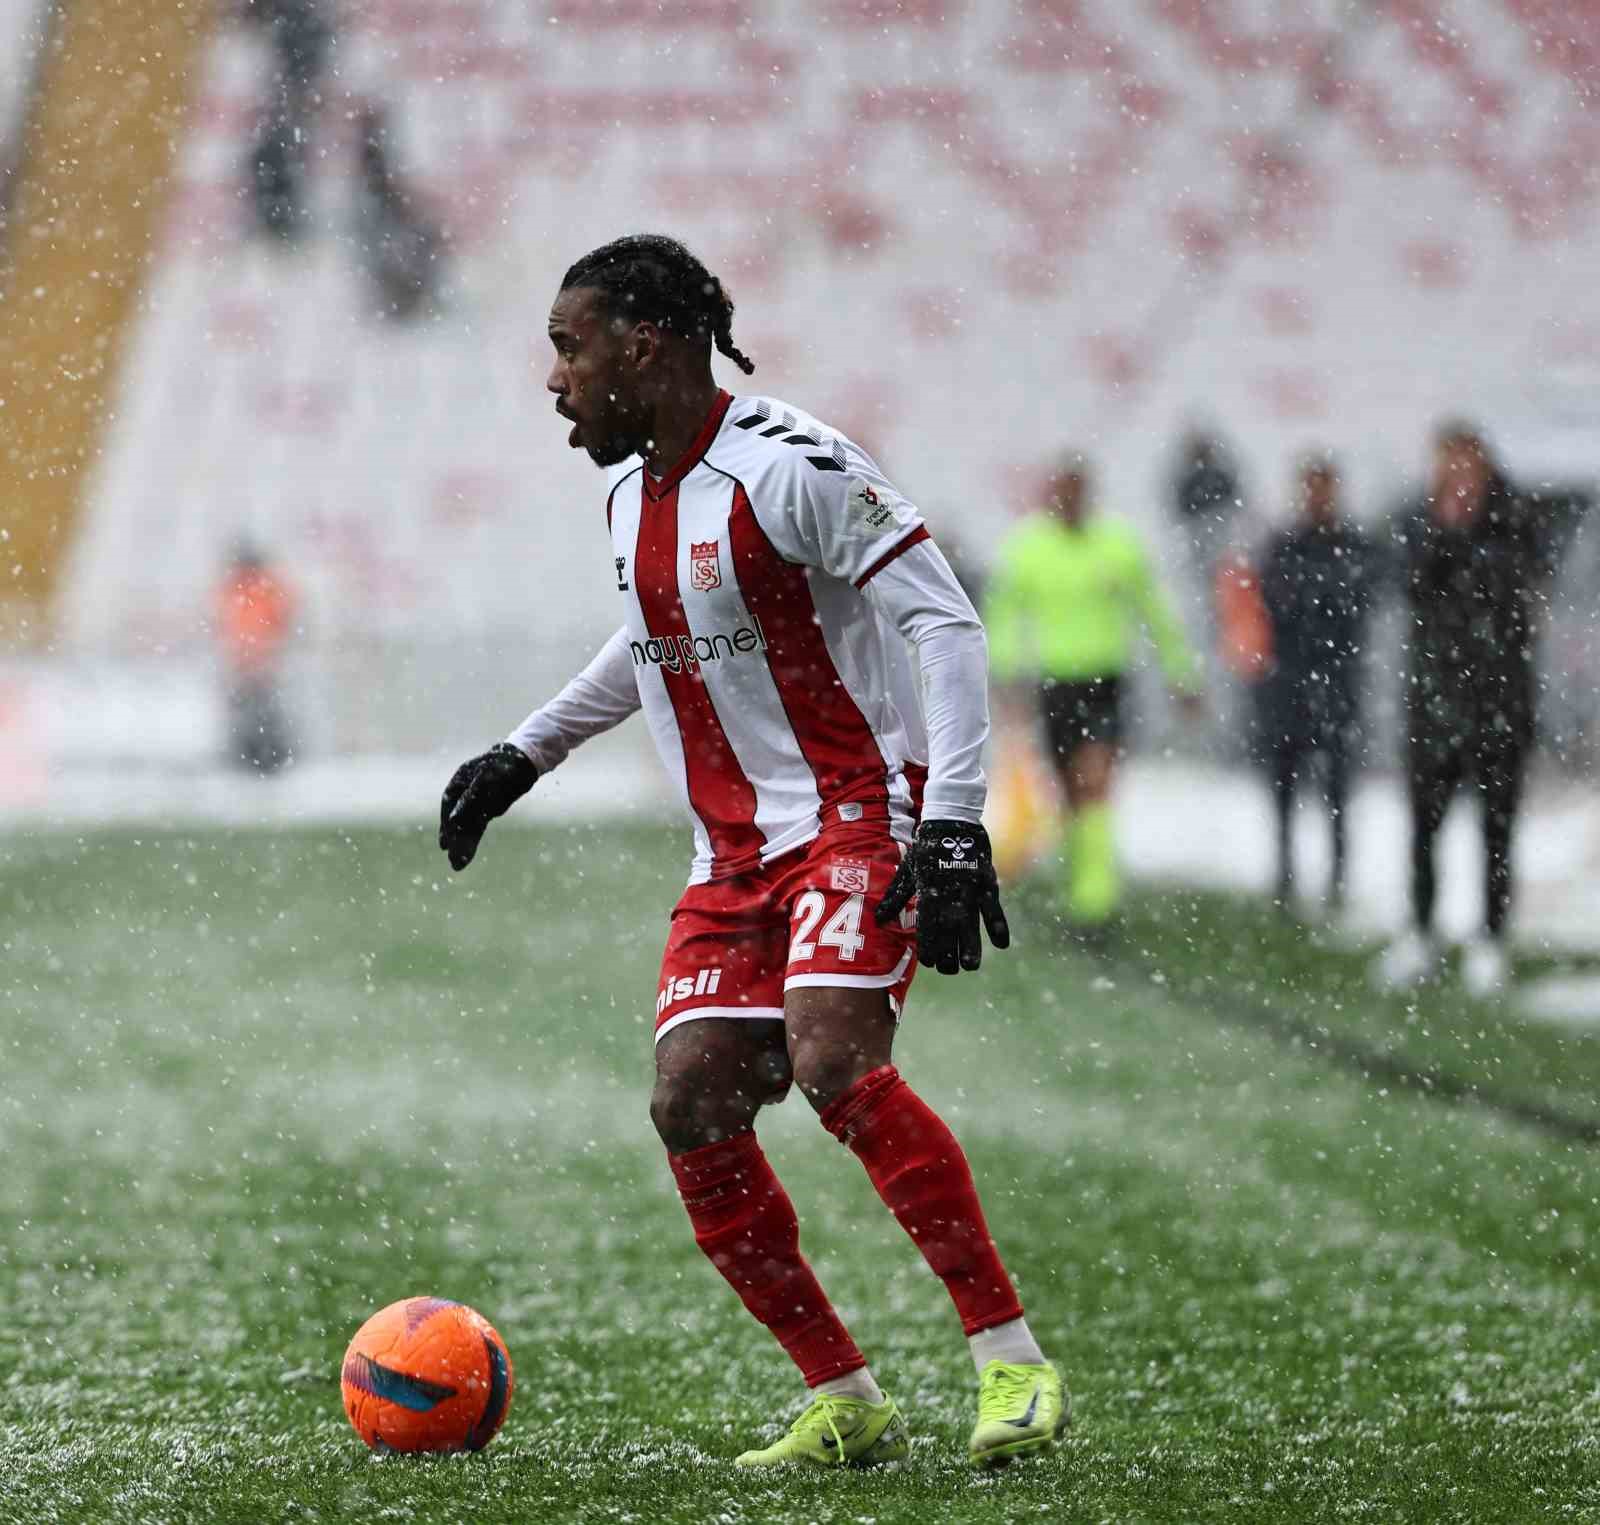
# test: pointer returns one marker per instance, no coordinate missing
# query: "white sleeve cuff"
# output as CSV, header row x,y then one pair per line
x,y
941,807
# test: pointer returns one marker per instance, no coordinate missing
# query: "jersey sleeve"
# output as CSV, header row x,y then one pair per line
x,y
603,695
919,595
846,518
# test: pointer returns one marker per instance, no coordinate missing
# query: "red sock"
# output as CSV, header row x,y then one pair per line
x,y
924,1179
744,1221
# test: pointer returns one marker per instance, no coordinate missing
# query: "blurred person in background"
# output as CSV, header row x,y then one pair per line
x,y
1475,555
1316,586
255,617
300,33
1205,486
1205,497
1219,534
1243,627
1069,593
402,249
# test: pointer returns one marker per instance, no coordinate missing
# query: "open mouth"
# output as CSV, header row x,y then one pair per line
x,y
572,437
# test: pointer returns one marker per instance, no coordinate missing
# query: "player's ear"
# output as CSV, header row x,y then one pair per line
x,y
643,345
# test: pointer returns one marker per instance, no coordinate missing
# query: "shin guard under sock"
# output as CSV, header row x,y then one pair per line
x,y
746,1224
922,1175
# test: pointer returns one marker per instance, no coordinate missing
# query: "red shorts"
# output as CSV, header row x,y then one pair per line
x,y
806,918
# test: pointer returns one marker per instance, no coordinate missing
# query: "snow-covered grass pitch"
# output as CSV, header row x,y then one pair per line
x,y
255,1085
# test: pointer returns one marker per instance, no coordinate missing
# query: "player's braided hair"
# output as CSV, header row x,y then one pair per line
x,y
655,279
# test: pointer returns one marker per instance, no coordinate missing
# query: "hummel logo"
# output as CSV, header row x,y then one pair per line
x,y
622,582
1027,1419
959,849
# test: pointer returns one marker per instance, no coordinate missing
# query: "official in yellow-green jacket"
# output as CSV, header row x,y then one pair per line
x,y
1070,593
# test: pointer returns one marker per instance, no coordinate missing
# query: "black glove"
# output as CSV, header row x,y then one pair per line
x,y
479,790
950,869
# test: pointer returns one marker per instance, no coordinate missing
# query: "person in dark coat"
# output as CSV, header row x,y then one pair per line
x,y
1475,555
302,35
1206,497
1317,579
1205,484
401,247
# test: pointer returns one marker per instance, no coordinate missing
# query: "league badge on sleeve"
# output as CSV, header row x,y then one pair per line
x,y
705,567
878,506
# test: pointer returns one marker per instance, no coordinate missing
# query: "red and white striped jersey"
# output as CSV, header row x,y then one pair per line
x,y
772,585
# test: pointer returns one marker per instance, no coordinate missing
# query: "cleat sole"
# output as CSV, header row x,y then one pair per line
x,y
1002,1456
887,1448
1033,1445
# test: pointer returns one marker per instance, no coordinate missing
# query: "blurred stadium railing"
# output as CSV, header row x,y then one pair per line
x,y
969,233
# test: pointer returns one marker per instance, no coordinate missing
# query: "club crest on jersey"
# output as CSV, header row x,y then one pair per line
x,y
850,876
705,567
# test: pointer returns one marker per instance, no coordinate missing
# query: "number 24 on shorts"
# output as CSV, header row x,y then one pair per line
x,y
842,931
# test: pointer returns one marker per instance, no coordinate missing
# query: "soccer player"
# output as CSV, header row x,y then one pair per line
x,y
815,681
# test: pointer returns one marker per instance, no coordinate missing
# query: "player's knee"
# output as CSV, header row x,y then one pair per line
x,y
825,1072
687,1115
674,1113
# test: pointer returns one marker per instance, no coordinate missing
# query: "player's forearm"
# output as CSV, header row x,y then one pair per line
x,y
955,697
920,596
603,695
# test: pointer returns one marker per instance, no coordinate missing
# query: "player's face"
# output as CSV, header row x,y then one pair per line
x,y
592,379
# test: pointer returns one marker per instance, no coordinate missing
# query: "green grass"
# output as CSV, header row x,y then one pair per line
x,y
1244,958
254,1086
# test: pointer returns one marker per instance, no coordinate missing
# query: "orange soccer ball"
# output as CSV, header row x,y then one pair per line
x,y
426,1374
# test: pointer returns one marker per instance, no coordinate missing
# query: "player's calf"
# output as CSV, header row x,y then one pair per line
x,y
745,1224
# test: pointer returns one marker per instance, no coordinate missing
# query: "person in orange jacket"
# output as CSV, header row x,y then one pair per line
x,y
255,619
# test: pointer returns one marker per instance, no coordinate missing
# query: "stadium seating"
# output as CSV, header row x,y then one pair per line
x,y
968,232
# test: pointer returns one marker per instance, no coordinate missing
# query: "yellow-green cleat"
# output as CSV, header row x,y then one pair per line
x,y
1022,1411
837,1432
